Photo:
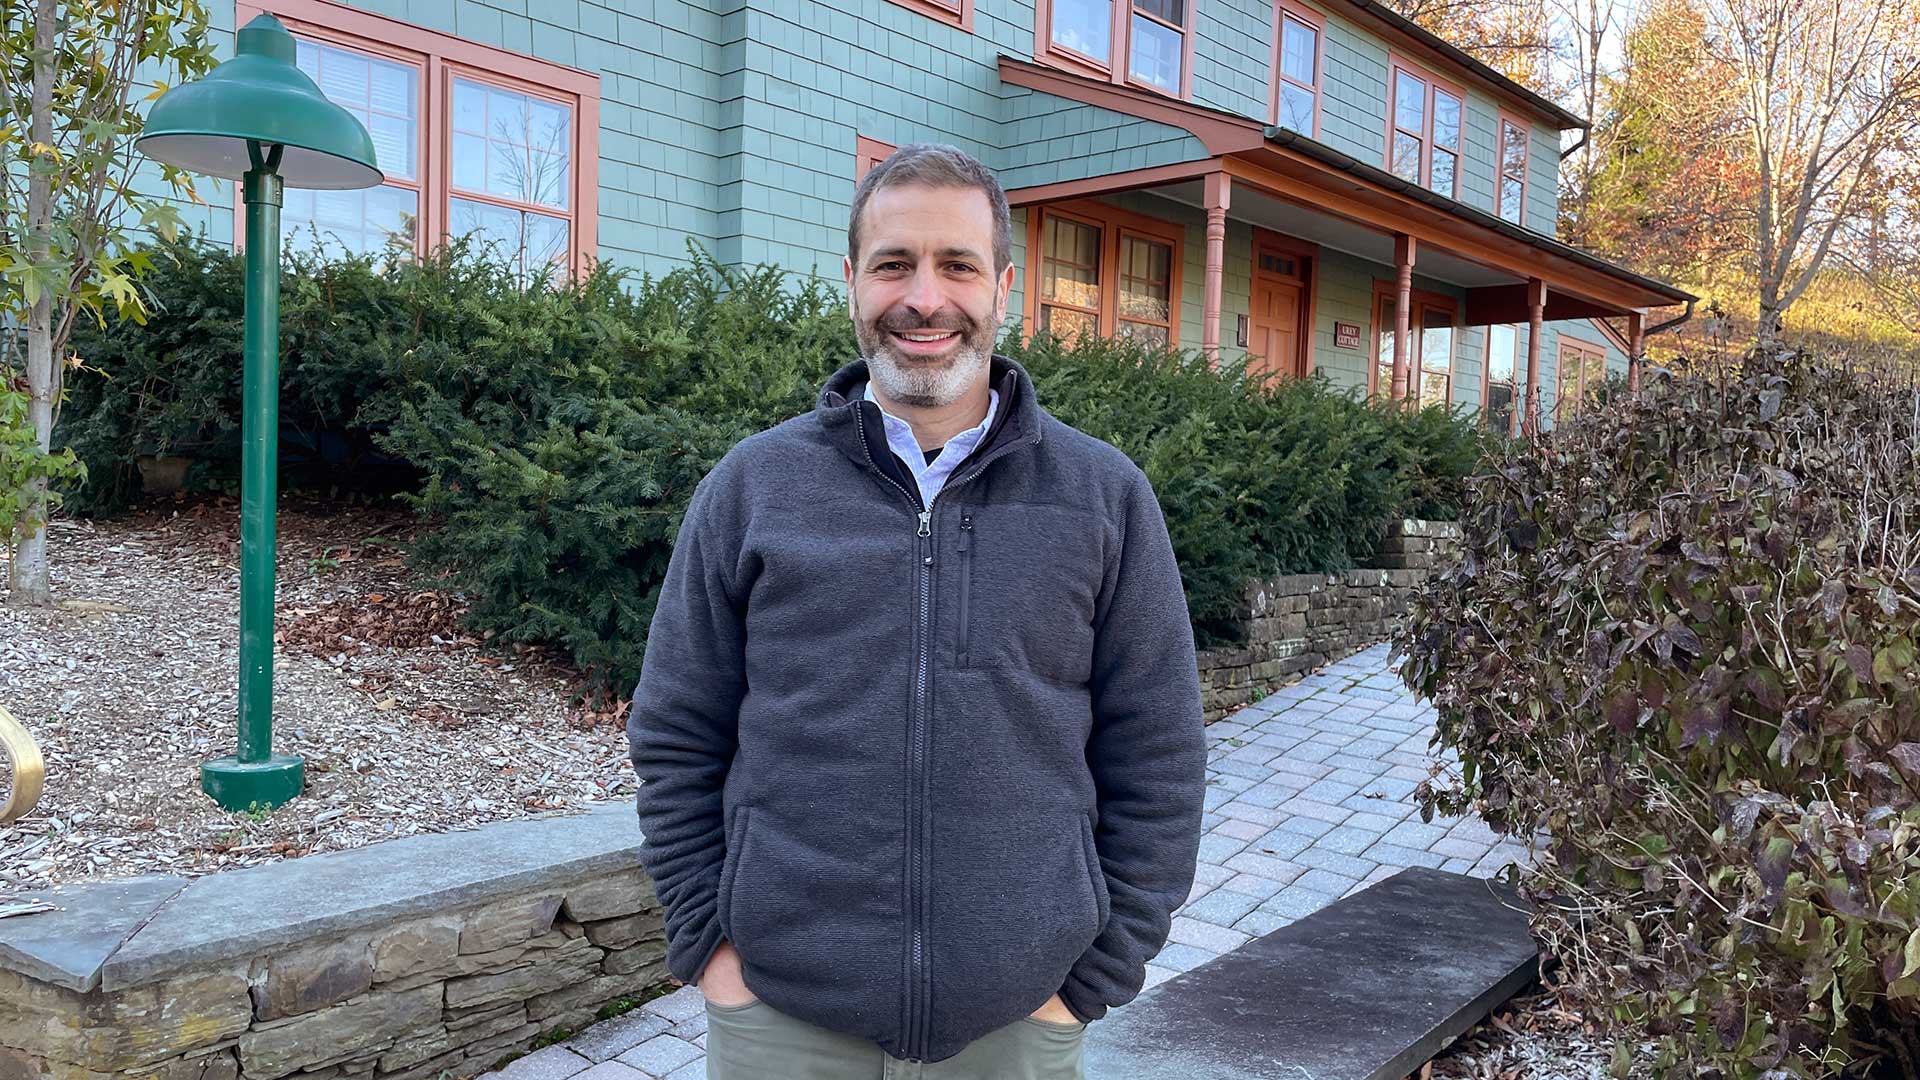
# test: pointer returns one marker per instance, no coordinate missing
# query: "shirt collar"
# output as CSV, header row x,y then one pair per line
x,y
970,435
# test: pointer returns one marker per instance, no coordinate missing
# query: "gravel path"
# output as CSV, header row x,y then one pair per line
x,y
407,724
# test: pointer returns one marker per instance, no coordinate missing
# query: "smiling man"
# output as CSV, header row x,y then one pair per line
x,y
919,726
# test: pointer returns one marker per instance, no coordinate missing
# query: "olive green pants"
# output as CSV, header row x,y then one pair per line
x,y
755,1041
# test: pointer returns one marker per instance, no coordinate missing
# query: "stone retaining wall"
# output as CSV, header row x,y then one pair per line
x,y
1297,622
449,953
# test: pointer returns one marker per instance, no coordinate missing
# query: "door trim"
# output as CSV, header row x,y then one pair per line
x,y
1309,255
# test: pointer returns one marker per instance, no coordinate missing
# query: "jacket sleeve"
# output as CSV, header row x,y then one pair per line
x,y
1147,753
684,726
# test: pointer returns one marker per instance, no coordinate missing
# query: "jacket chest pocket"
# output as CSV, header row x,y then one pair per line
x,y
1024,589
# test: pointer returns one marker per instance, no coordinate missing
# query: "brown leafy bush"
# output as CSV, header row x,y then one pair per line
x,y
1681,641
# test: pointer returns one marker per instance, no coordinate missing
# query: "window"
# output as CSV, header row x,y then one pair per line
x,y
1510,200
1424,124
1296,84
1146,288
1430,335
1499,407
1101,271
1069,277
471,139
511,156
1583,371
384,95
1139,42
868,153
957,12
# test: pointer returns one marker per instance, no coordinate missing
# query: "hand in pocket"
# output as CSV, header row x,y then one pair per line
x,y
720,981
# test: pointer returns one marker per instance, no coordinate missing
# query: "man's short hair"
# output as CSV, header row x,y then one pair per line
x,y
935,165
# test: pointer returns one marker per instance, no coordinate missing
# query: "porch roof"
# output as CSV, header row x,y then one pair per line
x,y
1316,179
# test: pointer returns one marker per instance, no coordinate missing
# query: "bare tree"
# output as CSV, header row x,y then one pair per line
x,y
1830,98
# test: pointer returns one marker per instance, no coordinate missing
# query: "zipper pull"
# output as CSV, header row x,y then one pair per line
x,y
966,522
926,516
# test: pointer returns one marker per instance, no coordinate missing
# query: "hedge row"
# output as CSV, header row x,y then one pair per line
x,y
555,434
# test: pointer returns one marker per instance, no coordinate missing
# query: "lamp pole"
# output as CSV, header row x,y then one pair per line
x,y
260,120
255,775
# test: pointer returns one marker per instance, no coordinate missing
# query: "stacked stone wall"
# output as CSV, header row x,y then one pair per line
x,y
398,961
1297,622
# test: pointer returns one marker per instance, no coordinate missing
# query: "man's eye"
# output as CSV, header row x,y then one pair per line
x,y
888,267
960,267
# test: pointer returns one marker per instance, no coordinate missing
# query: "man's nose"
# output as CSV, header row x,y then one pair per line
x,y
924,295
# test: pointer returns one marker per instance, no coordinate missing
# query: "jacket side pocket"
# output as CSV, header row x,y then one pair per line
x,y
1101,901
729,867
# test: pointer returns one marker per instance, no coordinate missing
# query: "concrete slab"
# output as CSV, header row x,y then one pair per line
x,y
1365,989
67,947
255,911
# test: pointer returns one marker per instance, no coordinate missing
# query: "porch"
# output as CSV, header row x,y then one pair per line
x,y
1310,260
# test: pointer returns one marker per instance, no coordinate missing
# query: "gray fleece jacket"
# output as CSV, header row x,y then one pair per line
x,y
923,766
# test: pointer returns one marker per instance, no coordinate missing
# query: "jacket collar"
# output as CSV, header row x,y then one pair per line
x,y
1016,421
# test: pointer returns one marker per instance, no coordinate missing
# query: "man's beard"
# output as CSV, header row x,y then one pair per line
x,y
923,383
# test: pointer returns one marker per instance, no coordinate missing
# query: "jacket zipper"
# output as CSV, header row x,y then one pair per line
x,y
966,584
917,1010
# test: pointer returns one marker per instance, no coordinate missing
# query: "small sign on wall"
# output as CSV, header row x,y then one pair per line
x,y
1346,335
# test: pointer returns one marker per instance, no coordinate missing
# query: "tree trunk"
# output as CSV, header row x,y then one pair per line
x,y
28,570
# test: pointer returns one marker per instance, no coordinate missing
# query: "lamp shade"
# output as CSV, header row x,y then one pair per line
x,y
260,96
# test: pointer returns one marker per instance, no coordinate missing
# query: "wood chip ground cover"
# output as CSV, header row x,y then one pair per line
x,y
407,724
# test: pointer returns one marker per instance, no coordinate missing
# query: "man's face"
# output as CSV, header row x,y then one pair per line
x,y
925,300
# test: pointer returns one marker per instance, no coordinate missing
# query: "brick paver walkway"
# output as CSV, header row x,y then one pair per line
x,y
1309,799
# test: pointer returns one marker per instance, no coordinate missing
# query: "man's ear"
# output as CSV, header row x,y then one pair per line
x,y
846,265
1002,291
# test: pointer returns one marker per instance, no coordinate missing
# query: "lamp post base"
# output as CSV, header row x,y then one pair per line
x,y
259,785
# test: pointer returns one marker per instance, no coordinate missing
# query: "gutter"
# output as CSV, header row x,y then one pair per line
x,y
1670,323
1375,175
1577,144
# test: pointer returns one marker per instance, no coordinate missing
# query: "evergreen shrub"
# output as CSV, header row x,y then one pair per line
x,y
554,434
1680,643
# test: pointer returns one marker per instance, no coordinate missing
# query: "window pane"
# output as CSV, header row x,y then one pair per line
x,y
1433,388
1144,332
1513,150
1446,120
1499,412
1296,108
360,222
1070,263
1172,11
1406,157
1068,325
1085,26
512,145
1510,200
1144,281
1410,102
527,241
1444,164
1503,343
1297,44
1156,54
1569,383
1596,373
1436,340
381,94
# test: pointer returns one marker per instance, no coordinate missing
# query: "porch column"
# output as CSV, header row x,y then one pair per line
x,y
1219,195
1403,253
1636,347
1536,315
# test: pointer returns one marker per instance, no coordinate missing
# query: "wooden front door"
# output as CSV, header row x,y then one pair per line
x,y
1276,325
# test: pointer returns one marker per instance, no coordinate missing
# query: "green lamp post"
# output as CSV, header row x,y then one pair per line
x,y
259,119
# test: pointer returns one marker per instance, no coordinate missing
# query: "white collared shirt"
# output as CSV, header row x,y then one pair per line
x,y
931,476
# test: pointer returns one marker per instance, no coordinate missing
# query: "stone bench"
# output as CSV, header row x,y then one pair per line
x,y
1367,988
